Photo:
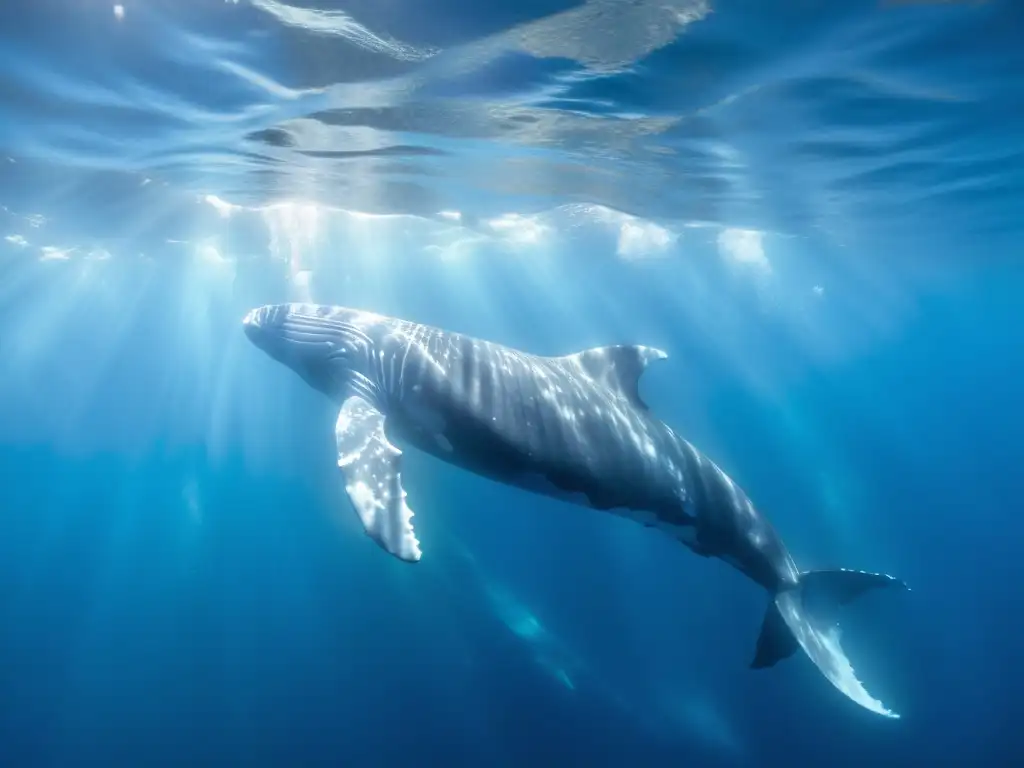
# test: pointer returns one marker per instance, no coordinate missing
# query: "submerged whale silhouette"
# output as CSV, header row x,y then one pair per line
x,y
572,427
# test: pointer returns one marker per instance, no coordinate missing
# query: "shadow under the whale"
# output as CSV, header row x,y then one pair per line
x,y
546,685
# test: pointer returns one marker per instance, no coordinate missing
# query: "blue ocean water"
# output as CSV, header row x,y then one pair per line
x,y
814,208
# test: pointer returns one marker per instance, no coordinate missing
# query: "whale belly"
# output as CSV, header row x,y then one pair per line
x,y
531,428
588,466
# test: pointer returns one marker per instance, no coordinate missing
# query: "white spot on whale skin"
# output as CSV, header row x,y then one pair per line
x,y
443,443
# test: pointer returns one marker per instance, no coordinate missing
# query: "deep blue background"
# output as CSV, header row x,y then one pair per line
x,y
181,578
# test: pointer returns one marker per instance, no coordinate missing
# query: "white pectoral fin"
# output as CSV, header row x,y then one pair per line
x,y
372,468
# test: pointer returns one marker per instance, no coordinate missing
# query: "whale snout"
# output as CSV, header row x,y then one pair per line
x,y
262,317
264,323
317,342
253,318
293,331
251,323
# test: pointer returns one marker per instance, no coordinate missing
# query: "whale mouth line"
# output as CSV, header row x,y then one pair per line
x,y
284,323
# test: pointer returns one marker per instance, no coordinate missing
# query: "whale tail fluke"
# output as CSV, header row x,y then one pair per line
x,y
805,616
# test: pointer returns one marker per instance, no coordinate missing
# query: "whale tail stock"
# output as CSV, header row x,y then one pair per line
x,y
804,616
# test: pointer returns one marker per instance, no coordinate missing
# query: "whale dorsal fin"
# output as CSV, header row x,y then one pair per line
x,y
619,367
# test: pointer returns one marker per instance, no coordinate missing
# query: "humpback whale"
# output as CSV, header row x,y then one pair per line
x,y
572,427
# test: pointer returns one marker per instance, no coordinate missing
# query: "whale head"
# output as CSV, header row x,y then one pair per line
x,y
327,346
